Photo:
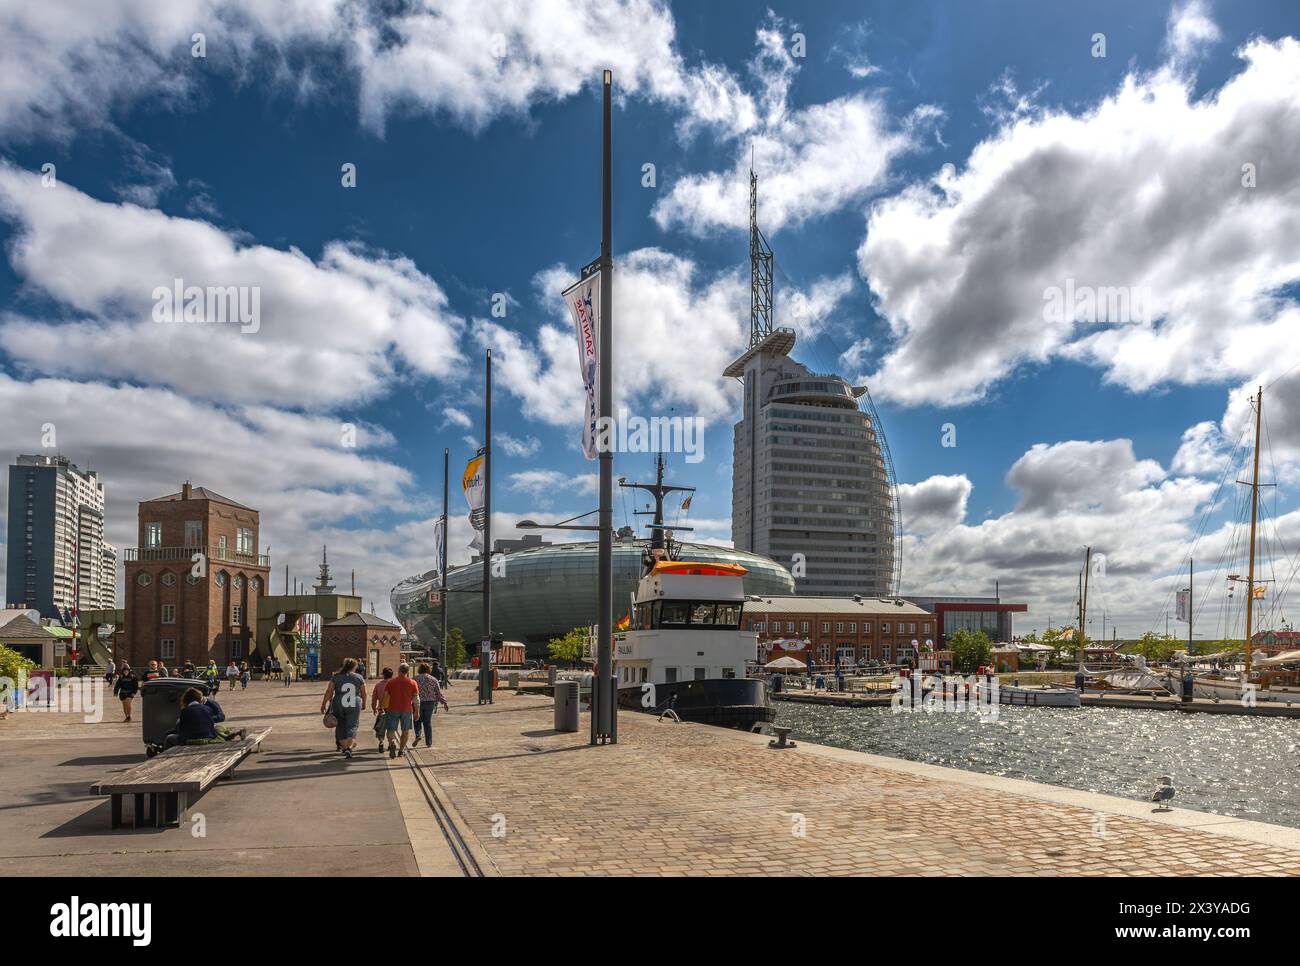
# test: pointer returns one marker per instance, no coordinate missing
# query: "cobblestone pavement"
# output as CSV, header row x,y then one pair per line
x,y
674,799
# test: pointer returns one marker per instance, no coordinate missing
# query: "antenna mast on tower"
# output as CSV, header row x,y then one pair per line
x,y
760,265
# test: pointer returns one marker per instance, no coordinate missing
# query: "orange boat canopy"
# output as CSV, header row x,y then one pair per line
x,y
698,569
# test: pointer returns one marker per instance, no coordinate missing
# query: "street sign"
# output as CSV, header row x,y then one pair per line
x,y
435,597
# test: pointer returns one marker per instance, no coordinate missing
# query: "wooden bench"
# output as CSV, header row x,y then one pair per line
x,y
174,778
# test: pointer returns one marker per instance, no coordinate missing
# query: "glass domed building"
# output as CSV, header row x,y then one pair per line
x,y
543,592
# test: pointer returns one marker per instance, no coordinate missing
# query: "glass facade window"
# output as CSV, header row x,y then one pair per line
x,y
991,622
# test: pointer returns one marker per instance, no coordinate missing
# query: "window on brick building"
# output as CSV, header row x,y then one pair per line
x,y
839,627
169,613
853,627
237,617
168,580
244,537
925,628
789,627
153,534
144,580
884,627
193,533
167,647
826,627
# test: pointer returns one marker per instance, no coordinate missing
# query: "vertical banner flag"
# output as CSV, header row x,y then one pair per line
x,y
583,300
1183,598
473,483
438,538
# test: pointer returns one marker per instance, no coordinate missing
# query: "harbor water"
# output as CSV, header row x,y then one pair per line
x,y
1242,766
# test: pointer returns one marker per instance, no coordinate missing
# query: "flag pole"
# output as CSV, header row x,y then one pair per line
x,y
485,647
442,562
604,725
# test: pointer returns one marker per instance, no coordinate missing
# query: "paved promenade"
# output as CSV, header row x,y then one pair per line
x,y
502,794
673,799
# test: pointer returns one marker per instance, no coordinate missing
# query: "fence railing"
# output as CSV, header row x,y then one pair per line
x,y
224,555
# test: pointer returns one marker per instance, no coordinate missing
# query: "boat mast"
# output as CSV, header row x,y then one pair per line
x,y
658,489
1083,605
1254,507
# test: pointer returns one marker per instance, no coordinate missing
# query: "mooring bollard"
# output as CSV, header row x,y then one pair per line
x,y
781,735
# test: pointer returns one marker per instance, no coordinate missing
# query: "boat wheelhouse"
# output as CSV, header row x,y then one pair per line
x,y
685,650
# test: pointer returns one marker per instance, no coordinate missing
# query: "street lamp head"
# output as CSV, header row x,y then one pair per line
x,y
526,525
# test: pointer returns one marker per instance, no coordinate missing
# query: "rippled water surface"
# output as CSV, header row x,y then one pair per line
x,y
1241,766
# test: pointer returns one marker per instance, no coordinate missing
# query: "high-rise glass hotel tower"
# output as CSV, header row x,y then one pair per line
x,y
810,482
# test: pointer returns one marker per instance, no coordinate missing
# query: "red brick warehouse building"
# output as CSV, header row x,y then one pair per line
x,y
172,613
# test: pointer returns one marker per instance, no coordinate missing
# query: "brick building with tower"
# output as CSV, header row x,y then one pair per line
x,y
194,580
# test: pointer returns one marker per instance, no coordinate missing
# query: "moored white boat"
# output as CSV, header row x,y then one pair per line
x,y
1033,696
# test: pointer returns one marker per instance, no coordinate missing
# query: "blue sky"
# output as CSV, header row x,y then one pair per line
x,y
475,134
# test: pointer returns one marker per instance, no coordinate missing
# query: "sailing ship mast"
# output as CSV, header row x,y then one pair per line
x,y
1083,605
1254,507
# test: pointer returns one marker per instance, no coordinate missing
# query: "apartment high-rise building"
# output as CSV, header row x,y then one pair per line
x,y
55,557
810,483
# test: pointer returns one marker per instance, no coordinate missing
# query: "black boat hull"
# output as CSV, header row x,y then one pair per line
x,y
723,702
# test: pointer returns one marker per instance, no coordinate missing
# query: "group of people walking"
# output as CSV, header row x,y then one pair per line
x,y
400,702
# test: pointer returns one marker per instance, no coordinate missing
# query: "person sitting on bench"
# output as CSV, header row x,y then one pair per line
x,y
197,724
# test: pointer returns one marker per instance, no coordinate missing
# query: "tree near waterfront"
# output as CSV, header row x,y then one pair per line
x,y
569,647
1061,640
970,650
455,647
1156,647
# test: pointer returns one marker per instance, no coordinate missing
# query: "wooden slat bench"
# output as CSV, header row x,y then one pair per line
x,y
174,778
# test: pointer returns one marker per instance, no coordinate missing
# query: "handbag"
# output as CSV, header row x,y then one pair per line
x,y
330,720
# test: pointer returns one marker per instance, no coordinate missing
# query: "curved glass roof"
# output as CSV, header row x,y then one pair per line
x,y
541,593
